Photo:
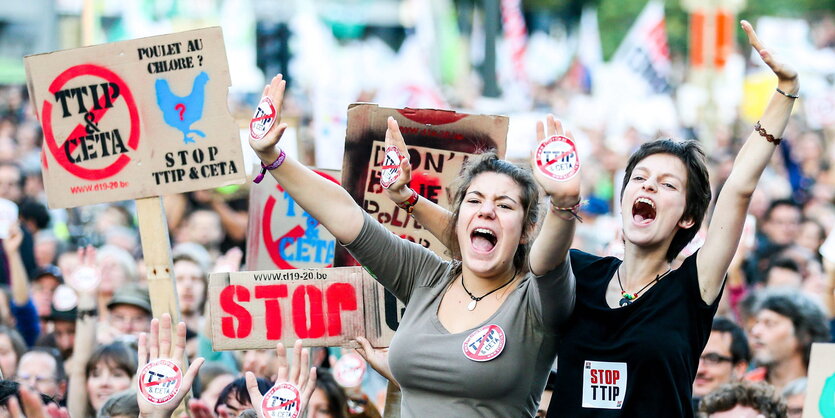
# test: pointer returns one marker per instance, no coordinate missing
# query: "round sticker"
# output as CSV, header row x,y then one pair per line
x,y
556,157
349,370
159,381
485,343
64,298
391,167
281,401
263,119
66,132
85,278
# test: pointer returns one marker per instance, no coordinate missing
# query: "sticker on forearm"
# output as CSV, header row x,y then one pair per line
x,y
485,343
263,119
281,401
391,167
349,370
604,384
159,381
556,157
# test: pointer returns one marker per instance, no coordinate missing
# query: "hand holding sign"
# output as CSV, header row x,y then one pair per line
x,y
266,137
161,384
378,358
555,163
289,397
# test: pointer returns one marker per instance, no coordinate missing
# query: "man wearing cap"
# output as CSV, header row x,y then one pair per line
x,y
130,310
62,336
44,282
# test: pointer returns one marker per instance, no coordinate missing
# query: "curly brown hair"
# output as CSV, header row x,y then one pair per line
x,y
757,395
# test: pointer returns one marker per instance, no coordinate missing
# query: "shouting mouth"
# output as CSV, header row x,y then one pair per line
x,y
483,240
643,211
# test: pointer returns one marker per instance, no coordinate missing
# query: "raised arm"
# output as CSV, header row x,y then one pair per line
x,y
550,248
326,201
732,204
85,286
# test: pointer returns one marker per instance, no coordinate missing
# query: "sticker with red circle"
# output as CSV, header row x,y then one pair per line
x,y
349,370
263,119
391,167
556,157
485,343
85,278
159,381
281,401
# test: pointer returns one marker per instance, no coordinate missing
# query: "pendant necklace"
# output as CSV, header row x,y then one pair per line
x,y
626,297
472,304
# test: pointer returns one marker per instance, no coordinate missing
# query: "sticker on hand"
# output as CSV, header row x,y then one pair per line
x,y
556,157
263,119
159,381
391,167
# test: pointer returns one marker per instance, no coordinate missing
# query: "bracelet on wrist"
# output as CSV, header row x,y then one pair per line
x,y
789,95
87,313
572,210
409,204
768,137
272,166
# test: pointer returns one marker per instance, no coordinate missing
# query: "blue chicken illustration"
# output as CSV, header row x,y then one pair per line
x,y
182,112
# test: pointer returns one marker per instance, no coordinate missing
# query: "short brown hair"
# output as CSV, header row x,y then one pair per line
x,y
757,395
698,192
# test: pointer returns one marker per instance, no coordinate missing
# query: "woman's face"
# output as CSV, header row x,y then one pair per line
x,y
8,357
490,224
191,286
105,380
318,406
653,201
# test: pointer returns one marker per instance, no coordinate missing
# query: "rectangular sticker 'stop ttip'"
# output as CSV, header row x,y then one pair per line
x,y
137,118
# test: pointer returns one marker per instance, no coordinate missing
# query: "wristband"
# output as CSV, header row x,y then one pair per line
x,y
573,210
272,166
790,96
768,137
409,204
87,313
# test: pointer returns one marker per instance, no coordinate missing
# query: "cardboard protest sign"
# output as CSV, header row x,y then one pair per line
x,y
439,143
137,118
820,386
281,235
323,307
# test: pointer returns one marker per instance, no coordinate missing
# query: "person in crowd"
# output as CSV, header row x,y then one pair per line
x,y
42,369
110,370
43,283
117,268
191,264
724,359
121,405
495,288
130,311
787,324
16,400
743,400
62,337
795,395
611,358
213,378
780,228
783,272
329,399
12,348
22,307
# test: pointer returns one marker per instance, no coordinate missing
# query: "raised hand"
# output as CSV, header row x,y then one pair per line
x,y
156,354
378,358
86,277
398,191
785,73
302,379
566,192
12,242
265,147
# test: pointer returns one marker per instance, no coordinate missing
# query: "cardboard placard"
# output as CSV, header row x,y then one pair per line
x,y
281,235
322,307
439,143
820,386
137,118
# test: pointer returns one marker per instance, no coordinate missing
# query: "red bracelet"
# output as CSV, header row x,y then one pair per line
x,y
768,137
409,204
272,166
573,210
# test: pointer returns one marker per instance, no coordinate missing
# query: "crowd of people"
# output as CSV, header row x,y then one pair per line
x,y
652,299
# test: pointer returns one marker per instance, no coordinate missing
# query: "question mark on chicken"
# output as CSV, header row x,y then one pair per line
x,y
182,108
200,57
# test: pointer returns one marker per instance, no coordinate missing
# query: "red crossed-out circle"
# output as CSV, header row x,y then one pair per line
x,y
49,137
176,377
271,407
295,232
481,335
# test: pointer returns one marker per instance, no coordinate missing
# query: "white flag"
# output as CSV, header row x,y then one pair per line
x,y
645,50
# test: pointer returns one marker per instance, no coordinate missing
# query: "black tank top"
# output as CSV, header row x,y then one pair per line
x,y
639,360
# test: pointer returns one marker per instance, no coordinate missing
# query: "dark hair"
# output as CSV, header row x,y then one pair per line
x,y
9,388
337,399
698,192
809,320
35,211
238,391
780,202
120,404
739,342
758,395
489,162
116,355
60,372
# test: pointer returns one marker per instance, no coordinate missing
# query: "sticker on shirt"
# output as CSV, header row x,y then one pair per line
x,y
485,343
159,381
391,167
349,370
604,384
281,401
